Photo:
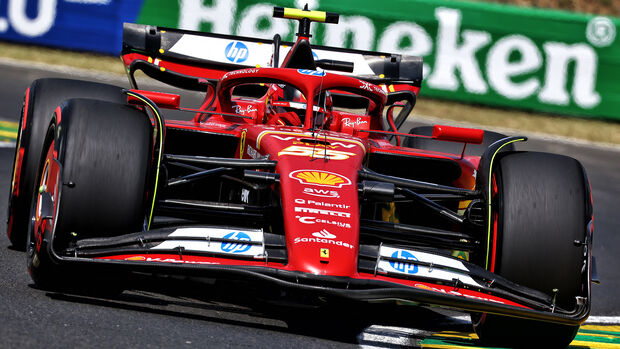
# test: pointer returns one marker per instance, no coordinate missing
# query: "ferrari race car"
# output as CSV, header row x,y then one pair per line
x,y
293,175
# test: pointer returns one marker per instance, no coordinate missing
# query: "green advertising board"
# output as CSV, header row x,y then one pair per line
x,y
498,55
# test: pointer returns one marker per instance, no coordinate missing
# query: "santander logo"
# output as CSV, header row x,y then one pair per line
x,y
324,234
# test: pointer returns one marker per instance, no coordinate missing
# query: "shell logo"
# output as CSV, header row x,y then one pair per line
x,y
135,258
424,287
318,177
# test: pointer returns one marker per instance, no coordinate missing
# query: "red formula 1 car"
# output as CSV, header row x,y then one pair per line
x,y
293,175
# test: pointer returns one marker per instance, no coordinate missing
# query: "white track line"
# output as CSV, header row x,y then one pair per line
x,y
603,320
387,336
378,336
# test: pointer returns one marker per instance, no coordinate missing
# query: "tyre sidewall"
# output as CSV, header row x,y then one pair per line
x,y
43,96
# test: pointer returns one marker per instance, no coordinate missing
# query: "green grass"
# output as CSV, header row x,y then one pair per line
x,y
585,129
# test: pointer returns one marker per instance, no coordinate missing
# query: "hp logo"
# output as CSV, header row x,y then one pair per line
x,y
404,267
236,52
236,247
310,72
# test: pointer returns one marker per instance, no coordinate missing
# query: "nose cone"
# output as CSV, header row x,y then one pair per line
x,y
321,221
318,187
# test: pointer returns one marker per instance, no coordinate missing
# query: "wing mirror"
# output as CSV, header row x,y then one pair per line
x,y
162,100
458,134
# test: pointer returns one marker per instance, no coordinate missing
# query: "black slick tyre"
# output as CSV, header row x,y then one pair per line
x,y
542,206
91,182
490,137
40,101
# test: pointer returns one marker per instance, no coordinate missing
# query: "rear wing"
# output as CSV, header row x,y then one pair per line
x,y
192,60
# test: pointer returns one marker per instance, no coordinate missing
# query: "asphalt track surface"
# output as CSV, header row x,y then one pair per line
x,y
32,318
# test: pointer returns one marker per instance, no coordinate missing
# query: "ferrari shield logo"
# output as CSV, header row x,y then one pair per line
x,y
324,253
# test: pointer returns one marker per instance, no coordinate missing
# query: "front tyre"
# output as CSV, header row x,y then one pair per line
x,y
541,208
91,182
40,101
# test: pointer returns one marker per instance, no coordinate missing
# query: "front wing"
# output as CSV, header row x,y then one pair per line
x,y
385,273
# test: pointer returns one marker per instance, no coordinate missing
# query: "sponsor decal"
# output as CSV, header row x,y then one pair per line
x,y
435,266
322,212
214,232
321,203
404,267
323,193
314,220
236,52
311,72
371,87
601,31
365,86
324,234
325,241
236,247
335,141
320,178
253,153
323,237
431,258
354,123
242,71
316,152
166,260
246,242
247,111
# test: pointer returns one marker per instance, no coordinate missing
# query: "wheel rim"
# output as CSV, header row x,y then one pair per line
x,y
45,203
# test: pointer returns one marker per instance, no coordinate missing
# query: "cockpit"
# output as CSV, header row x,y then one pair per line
x,y
274,97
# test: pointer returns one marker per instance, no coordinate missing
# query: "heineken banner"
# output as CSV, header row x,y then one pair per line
x,y
475,52
91,25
